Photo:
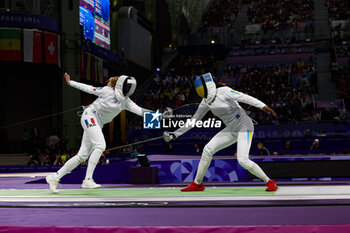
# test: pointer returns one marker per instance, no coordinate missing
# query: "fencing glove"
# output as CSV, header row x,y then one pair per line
x,y
168,136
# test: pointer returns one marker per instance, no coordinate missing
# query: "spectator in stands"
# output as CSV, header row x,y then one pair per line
x,y
103,160
47,160
322,133
318,116
26,137
134,154
38,154
342,113
59,160
314,81
52,141
307,133
127,149
197,149
287,146
334,68
263,150
315,145
32,161
169,148
207,136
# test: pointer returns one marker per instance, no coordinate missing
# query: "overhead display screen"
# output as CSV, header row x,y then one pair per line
x,y
94,17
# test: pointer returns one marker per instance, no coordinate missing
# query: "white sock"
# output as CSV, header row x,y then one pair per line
x,y
93,161
256,170
68,166
202,168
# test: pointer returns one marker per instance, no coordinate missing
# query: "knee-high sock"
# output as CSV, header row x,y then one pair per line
x,y
221,140
256,170
93,161
69,166
243,146
253,168
202,168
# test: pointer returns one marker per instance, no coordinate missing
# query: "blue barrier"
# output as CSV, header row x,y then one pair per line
x,y
337,139
177,168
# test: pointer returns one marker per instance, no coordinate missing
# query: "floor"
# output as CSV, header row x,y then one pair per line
x,y
221,204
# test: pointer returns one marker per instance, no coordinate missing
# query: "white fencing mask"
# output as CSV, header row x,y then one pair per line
x,y
124,87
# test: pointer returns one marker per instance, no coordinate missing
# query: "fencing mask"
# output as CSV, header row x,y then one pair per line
x,y
205,87
124,87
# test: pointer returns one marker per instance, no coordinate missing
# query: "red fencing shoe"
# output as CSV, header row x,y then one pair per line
x,y
193,187
271,185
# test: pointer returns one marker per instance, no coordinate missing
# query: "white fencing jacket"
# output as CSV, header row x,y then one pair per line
x,y
106,106
225,106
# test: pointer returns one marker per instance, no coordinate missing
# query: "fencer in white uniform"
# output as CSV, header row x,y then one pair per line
x,y
223,103
112,99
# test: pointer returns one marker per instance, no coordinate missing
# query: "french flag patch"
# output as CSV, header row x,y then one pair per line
x,y
90,122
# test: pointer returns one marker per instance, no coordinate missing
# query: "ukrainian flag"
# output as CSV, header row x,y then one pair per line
x,y
199,87
249,135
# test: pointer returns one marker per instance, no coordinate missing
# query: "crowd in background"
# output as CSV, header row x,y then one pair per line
x,y
341,76
340,49
170,90
174,88
272,85
192,63
270,49
51,151
338,9
221,13
277,14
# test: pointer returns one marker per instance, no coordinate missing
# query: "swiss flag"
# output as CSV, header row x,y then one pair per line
x,y
50,47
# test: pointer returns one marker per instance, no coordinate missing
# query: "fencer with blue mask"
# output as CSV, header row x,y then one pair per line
x,y
223,103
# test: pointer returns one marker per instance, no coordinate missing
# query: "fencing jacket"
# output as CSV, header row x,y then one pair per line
x,y
225,106
106,106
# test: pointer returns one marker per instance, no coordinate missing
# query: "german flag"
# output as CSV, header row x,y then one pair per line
x,y
10,44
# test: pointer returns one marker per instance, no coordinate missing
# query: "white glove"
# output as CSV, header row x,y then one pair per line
x,y
167,113
168,136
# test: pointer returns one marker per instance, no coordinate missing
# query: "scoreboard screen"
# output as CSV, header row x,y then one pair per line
x,y
94,17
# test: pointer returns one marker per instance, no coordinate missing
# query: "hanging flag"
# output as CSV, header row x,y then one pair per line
x,y
100,70
10,44
105,72
50,48
32,46
82,64
92,68
96,69
59,51
88,67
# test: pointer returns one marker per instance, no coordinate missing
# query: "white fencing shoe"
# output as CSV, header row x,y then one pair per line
x,y
53,183
90,184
